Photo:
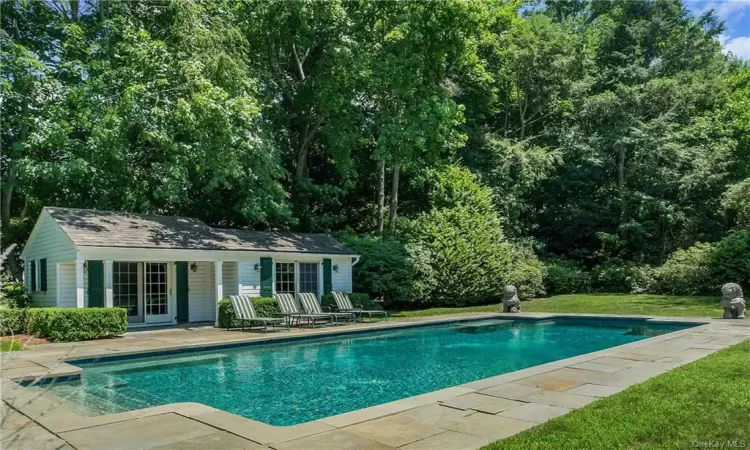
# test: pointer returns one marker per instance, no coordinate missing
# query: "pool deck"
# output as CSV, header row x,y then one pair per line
x,y
461,417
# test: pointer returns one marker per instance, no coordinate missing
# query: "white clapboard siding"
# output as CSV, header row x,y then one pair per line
x,y
67,284
47,241
249,279
229,278
200,297
342,280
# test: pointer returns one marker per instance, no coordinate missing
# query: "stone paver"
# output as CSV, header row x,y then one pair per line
x,y
596,390
465,416
155,431
534,412
395,431
218,440
337,439
510,391
449,440
489,426
564,399
482,403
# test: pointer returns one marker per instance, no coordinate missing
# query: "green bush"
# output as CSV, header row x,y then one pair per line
x,y
358,300
470,259
264,307
13,294
686,272
12,321
566,277
384,269
527,274
730,259
76,324
619,276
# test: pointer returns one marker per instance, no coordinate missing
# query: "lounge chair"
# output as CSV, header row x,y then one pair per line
x,y
244,311
345,305
311,305
289,309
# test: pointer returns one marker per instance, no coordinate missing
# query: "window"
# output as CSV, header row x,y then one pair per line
x,y
43,274
285,278
125,286
308,277
33,276
156,289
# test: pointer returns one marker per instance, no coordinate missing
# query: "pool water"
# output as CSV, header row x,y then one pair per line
x,y
295,382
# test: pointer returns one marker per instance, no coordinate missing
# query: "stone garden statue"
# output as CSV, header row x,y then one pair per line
x,y
731,301
511,303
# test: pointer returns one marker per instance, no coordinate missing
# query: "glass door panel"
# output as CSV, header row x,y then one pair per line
x,y
308,277
125,276
156,296
285,278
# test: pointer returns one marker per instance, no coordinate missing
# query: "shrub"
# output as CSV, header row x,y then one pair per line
x,y
13,294
619,276
686,272
76,324
358,301
566,277
527,274
730,259
12,321
468,254
264,307
384,269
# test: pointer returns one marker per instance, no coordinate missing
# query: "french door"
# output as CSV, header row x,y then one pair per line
x,y
294,277
126,280
156,293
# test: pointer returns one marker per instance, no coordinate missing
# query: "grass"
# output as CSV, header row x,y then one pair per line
x,y
10,346
701,402
654,305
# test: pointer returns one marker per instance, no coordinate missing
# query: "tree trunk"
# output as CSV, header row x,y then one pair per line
x,y
621,182
7,197
394,198
381,194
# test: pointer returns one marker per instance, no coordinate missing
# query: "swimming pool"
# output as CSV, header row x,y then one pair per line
x,y
294,382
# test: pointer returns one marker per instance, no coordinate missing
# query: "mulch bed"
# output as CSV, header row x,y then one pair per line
x,y
25,339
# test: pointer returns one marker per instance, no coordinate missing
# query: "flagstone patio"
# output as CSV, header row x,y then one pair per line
x,y
461,417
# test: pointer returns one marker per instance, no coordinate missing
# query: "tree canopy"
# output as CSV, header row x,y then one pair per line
x,y
586,132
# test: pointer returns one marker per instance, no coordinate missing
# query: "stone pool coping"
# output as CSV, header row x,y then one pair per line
x,y
463,416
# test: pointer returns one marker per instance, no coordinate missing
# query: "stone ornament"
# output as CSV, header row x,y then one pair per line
x,y
511,303
732,301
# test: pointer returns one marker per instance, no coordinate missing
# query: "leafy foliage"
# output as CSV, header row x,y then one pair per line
x,y
612,134
73,324
12,321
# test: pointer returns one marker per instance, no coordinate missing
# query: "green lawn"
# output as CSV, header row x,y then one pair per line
x,y
658,305
10,346
704,401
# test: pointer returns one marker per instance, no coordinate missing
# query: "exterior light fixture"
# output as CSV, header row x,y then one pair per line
x,y
193,267
256,267
85,267
336,268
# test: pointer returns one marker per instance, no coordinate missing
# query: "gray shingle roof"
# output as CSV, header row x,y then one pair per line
x,y
92,228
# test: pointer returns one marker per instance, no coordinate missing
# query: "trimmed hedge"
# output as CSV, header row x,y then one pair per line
x,y
264,307
12,321
76,324
358,301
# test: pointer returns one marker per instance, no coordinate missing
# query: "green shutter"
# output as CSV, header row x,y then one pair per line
x,y
96,283
327,276
33,276
266,277
182,291
43,274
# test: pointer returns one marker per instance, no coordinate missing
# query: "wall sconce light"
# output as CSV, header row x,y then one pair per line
x,y
85,267
193,267
336,268
256,267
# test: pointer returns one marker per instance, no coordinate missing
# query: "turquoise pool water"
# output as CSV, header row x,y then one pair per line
x,y
295,382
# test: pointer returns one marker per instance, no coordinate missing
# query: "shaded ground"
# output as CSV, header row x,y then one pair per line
x,y
690,407
657,305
